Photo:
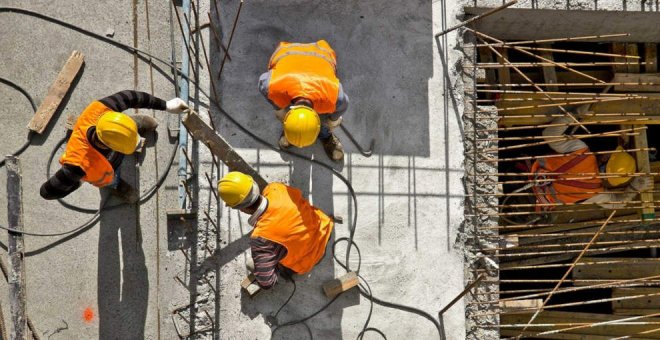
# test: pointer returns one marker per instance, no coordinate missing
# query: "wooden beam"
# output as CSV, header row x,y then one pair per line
x,y
619,48
219,147
631,49
3,328
610,330
520,304
56,93
647,78
341,284
616,271
503,73
16,249
650,301
651,57
643,165
250,286
549,73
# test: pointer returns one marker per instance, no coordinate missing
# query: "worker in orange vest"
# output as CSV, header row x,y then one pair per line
x,y
100,138
289,235
302,85
575,175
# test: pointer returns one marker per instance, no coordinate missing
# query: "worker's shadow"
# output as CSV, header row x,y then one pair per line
x,y
123,285
316,180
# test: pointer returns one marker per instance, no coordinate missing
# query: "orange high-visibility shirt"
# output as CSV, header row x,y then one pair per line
x,y
79,151
291,221
304,71
574,184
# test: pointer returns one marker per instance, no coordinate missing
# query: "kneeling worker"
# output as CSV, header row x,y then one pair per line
x,y
100,138
288,230
302,85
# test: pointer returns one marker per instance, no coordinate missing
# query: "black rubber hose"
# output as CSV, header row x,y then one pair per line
x,y
34,109
337,174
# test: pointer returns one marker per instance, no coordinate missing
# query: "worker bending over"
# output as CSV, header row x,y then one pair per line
x,y
302,85
575,174
100,138
289,233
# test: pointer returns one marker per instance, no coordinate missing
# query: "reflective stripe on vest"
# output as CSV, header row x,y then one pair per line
x,y
291,221
304,71
567,187
79,152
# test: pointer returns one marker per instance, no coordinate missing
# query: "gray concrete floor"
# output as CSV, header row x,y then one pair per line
x,y
409,192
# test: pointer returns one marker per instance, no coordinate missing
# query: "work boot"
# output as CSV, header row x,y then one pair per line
x,y
283,142
126,192
333,147
145,123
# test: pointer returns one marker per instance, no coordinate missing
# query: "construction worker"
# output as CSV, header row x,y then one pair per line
x,y
100,138
289,235
302,85
575,175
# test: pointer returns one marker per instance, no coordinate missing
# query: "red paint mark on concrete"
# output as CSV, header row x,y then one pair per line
x,y
88,315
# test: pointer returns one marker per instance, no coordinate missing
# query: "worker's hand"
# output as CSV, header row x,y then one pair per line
x,y
332,124
176,105
641,183
279,114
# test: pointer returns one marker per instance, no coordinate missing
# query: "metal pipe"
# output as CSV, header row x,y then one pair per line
x,y
182,170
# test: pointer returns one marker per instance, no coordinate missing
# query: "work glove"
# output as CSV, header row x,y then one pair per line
x,y
332,124
641,183
176,105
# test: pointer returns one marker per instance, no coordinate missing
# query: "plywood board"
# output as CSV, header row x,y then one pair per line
x,y
650,81
57,91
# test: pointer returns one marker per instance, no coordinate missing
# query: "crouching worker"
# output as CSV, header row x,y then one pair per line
x,y
289,235
100,138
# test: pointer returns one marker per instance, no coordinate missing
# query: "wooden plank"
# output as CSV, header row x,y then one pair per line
x,y
521,304
565,77
651,301
649,106
643,165
340,284
219,147
635,311
549,73
651,57
574,317
56,93
560,336
503,73
650,78
16,249
617,271
631,49
250,286
3,328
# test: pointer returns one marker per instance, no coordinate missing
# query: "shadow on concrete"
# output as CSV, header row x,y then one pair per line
x,y
384,69
123,285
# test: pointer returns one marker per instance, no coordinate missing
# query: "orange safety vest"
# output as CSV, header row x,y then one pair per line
x,y
304,71
577,170
79,151
291,221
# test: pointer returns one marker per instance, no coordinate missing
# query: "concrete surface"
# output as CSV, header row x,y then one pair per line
x,y
409,192
111,268
403,94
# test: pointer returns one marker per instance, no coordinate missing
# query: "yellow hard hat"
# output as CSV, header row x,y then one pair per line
x,y
301,125
118,132
236,188
622,163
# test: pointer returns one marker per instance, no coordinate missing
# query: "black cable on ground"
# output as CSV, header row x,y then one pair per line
x,y
365,290
34,109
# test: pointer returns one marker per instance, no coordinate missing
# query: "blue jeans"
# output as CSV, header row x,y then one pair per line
x,y
116,179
